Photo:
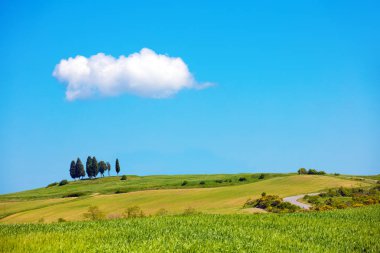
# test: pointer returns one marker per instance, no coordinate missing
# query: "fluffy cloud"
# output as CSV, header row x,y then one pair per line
x,y
144,73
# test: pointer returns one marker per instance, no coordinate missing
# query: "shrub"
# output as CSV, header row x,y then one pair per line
x,y
74,194
162,212
315,172
241,179
228,180
94,213
263,194
272,203
134,212
219,181
52,184
123,177
336,174
121,191
190,211
184,183
261,176
302,171
63,182
61,220
202,182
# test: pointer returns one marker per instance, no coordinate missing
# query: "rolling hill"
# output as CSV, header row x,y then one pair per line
x,y
220,194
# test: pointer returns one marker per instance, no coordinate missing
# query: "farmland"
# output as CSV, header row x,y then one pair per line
x,y
349,230
227,199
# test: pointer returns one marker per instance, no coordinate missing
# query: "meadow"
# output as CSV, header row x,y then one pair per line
x,y
349,230
228,199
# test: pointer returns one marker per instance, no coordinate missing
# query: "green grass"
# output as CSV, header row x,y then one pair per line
x,y
110,185
349,230
219,200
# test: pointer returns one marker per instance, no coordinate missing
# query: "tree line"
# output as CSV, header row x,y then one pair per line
x,y
93,168
310,172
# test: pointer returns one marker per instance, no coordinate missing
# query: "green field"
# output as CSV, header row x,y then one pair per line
x,y
110,185
349,230
227,198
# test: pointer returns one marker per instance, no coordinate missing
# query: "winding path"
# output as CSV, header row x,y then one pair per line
x,y
294,200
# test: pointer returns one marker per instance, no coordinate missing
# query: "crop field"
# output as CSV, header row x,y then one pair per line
x,y
216,200
348,230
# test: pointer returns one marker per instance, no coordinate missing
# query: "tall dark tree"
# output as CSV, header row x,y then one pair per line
x,y
117,166
79,168
72,170
95,168
89,167
81,172
102,167
108,168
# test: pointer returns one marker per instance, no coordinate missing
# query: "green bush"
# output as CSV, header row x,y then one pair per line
x,y
52,184
74,194
123,177
184,183
262,176
190,211
202,182
94,213
219,181
118,191
134,212
63,182
241,179
272,203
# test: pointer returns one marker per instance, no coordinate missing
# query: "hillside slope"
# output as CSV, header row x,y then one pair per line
x,y
221,200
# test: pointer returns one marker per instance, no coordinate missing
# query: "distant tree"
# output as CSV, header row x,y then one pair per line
x,y
72,170
79,168
302,171
63,182
262,176
108,168
95,167
89,167
102,167
312,172
117,166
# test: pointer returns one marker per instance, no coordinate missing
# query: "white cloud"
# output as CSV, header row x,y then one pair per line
x,y
144,73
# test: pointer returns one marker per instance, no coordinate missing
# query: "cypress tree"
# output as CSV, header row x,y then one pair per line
x,y
89,167
108,168
72,169
102,167
117,166
79,168
95,167
82,173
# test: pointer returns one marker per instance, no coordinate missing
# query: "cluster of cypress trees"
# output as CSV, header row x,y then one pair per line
x,y
93,168
77,169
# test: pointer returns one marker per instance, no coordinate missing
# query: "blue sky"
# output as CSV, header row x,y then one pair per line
x,y
296,85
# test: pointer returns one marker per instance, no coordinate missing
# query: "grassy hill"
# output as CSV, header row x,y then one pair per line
x,y
111,185
221,194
